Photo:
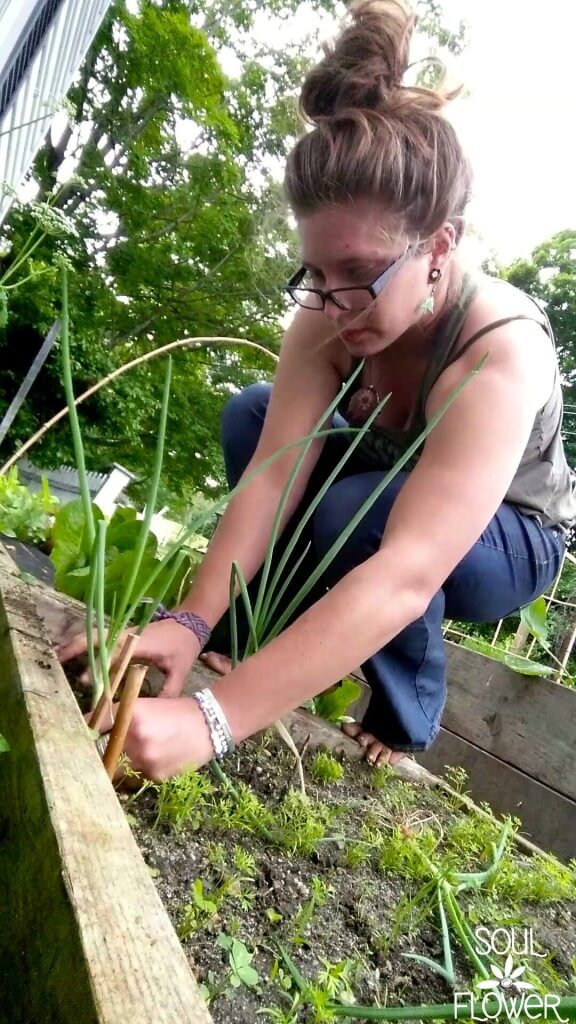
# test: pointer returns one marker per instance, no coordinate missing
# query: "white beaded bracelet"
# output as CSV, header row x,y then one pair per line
x,y
220,733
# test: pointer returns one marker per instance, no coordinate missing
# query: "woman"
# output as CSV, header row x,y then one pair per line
x,y
473,529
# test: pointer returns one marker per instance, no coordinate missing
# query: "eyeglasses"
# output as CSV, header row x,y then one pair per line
x,y
348,299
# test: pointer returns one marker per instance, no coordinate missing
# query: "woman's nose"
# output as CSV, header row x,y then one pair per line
x,y
332,311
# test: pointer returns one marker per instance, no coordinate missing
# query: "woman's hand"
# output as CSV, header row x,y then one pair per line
x,y
167,644
165,737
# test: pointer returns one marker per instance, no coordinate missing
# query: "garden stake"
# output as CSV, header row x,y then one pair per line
x,y
130,693
106,699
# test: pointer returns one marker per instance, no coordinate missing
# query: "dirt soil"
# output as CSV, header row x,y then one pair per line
x,y
365,869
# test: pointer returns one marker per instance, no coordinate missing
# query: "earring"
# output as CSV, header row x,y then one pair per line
x,y
427,304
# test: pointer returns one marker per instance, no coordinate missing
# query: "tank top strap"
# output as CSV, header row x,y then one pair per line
x,y
447,351
446,336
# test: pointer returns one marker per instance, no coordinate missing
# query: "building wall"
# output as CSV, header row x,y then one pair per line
x,y
42,45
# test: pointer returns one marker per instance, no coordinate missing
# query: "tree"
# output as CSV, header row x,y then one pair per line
x,y
178,226
550,276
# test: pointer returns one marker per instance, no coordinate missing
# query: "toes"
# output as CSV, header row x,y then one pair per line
x,y
377,754
352,729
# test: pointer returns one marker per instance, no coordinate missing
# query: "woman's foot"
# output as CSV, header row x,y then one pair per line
x,y
374,750
217,662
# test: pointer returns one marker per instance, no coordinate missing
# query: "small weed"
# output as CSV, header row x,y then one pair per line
x,y
184,800
240,961
321,891
216,857
380,778
300,823
457,777
244,863
355,855
395,854
336,979
243,811
325,768
201,911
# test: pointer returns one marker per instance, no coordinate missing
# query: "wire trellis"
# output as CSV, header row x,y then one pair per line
x,y
524,642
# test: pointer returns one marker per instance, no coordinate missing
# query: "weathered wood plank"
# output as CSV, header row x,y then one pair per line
x,y
527,723
548,818
86,939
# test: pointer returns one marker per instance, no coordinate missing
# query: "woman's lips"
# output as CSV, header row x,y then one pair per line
x,y
352,336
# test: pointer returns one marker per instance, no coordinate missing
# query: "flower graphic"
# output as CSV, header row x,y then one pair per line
x,y
507,980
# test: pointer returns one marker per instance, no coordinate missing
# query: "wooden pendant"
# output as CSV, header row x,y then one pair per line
x,y
362,405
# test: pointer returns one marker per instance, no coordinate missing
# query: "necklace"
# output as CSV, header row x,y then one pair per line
x,y
362,405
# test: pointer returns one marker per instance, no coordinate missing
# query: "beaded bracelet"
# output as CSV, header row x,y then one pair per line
x,y
220,734
193,622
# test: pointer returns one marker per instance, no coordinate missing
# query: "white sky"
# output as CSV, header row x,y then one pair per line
x,y
518,122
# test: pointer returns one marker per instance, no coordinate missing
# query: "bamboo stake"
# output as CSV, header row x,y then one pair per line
x,y
134,680
183,343
106,698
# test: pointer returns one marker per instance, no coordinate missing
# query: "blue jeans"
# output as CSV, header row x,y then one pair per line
x,y
513,562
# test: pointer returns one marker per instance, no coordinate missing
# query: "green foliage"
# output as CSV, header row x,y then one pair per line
x,y
71,553
334,703
325,768
4,745
550,276
240,961
534,617
184,800
165,146
200,911
300,823
25,515
319,896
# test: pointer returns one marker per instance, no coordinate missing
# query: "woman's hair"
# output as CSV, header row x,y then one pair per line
x,y
372,136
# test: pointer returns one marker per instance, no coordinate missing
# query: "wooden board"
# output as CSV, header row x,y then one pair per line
x,y
525,722
84,937
548,818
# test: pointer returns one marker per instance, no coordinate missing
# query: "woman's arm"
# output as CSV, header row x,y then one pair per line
x,y
306,381
450,497
459,482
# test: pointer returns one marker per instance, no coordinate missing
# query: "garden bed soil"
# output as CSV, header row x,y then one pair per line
x,y
364,923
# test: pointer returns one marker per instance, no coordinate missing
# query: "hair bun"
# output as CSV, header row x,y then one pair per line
x,y
364,68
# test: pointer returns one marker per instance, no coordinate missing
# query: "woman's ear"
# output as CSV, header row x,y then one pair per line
x,y
443,243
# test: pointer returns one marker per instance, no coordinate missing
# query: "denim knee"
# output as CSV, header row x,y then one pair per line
x,y
240,427
337,509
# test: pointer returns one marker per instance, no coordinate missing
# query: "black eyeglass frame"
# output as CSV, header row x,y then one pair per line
x,y
374,288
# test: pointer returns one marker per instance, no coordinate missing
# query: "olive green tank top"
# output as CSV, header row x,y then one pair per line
x,y
543,486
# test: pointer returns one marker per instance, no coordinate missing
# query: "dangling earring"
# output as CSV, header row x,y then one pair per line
x,y
427,304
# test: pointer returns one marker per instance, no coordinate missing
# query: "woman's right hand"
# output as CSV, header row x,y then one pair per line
x,y
167,644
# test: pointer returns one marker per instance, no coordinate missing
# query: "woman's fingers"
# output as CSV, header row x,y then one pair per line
x,y
72,647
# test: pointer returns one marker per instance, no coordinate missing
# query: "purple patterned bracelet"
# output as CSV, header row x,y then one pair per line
x,y
193,622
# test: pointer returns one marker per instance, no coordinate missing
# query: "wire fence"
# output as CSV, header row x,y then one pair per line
x,y
520,645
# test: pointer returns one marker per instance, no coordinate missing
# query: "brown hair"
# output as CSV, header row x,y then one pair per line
x,y
372,136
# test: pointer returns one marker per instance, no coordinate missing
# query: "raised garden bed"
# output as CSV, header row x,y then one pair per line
x,y
87,938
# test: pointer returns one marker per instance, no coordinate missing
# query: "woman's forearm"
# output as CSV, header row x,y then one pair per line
x,y
350,623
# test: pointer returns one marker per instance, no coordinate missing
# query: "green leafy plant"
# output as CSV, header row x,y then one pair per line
x,y
184,799
319,896
200,911
71,557
334,703
325,768
25,515
240,961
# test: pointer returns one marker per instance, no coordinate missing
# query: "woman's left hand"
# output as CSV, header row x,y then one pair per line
x,y
166,736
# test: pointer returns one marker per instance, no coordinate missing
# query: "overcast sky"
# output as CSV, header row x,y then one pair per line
x,y
518,123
